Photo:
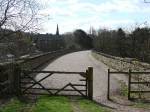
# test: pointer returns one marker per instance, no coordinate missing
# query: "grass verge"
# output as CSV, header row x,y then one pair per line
x,y
52,104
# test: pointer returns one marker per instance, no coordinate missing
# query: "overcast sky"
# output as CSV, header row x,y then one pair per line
x,y
81,14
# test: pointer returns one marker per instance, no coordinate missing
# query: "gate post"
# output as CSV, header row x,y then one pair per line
x,y
17,80
86,83
129,85
10,78
90,83
108,85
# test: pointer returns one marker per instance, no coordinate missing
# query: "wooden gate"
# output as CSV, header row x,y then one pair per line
x,y
28,83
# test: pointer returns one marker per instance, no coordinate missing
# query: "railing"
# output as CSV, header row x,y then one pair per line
x,y
143,86
132,80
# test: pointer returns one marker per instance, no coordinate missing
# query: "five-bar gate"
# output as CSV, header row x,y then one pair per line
x,y
29,85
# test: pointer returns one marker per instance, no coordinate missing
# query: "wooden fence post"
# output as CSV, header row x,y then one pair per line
x,y
108,86
129,85
17,79
86,83
11,78
90,83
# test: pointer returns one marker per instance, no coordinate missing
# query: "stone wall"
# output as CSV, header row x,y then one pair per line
x,y
121,64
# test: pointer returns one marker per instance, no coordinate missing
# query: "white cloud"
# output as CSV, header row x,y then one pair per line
x,y
70,14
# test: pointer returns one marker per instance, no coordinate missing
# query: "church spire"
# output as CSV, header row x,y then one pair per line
x,y
57,30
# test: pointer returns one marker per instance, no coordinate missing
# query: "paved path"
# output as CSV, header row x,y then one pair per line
x,y
77,62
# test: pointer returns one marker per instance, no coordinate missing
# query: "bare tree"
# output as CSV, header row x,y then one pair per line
x,y
146,1
18,15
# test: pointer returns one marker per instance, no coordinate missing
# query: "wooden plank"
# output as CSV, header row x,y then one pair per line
x,y
62,89
30,93
90,83
86,83
129,85
17,79
145,73
108,85
53,89
139,82
76,89
78,84
38,84
111,72
83,80
59,72
139,91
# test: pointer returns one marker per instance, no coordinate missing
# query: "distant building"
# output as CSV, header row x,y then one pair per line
x,y
48,42
57,30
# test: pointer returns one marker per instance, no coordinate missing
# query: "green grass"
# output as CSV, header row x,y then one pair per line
x,y
89,106
52,104
13,106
